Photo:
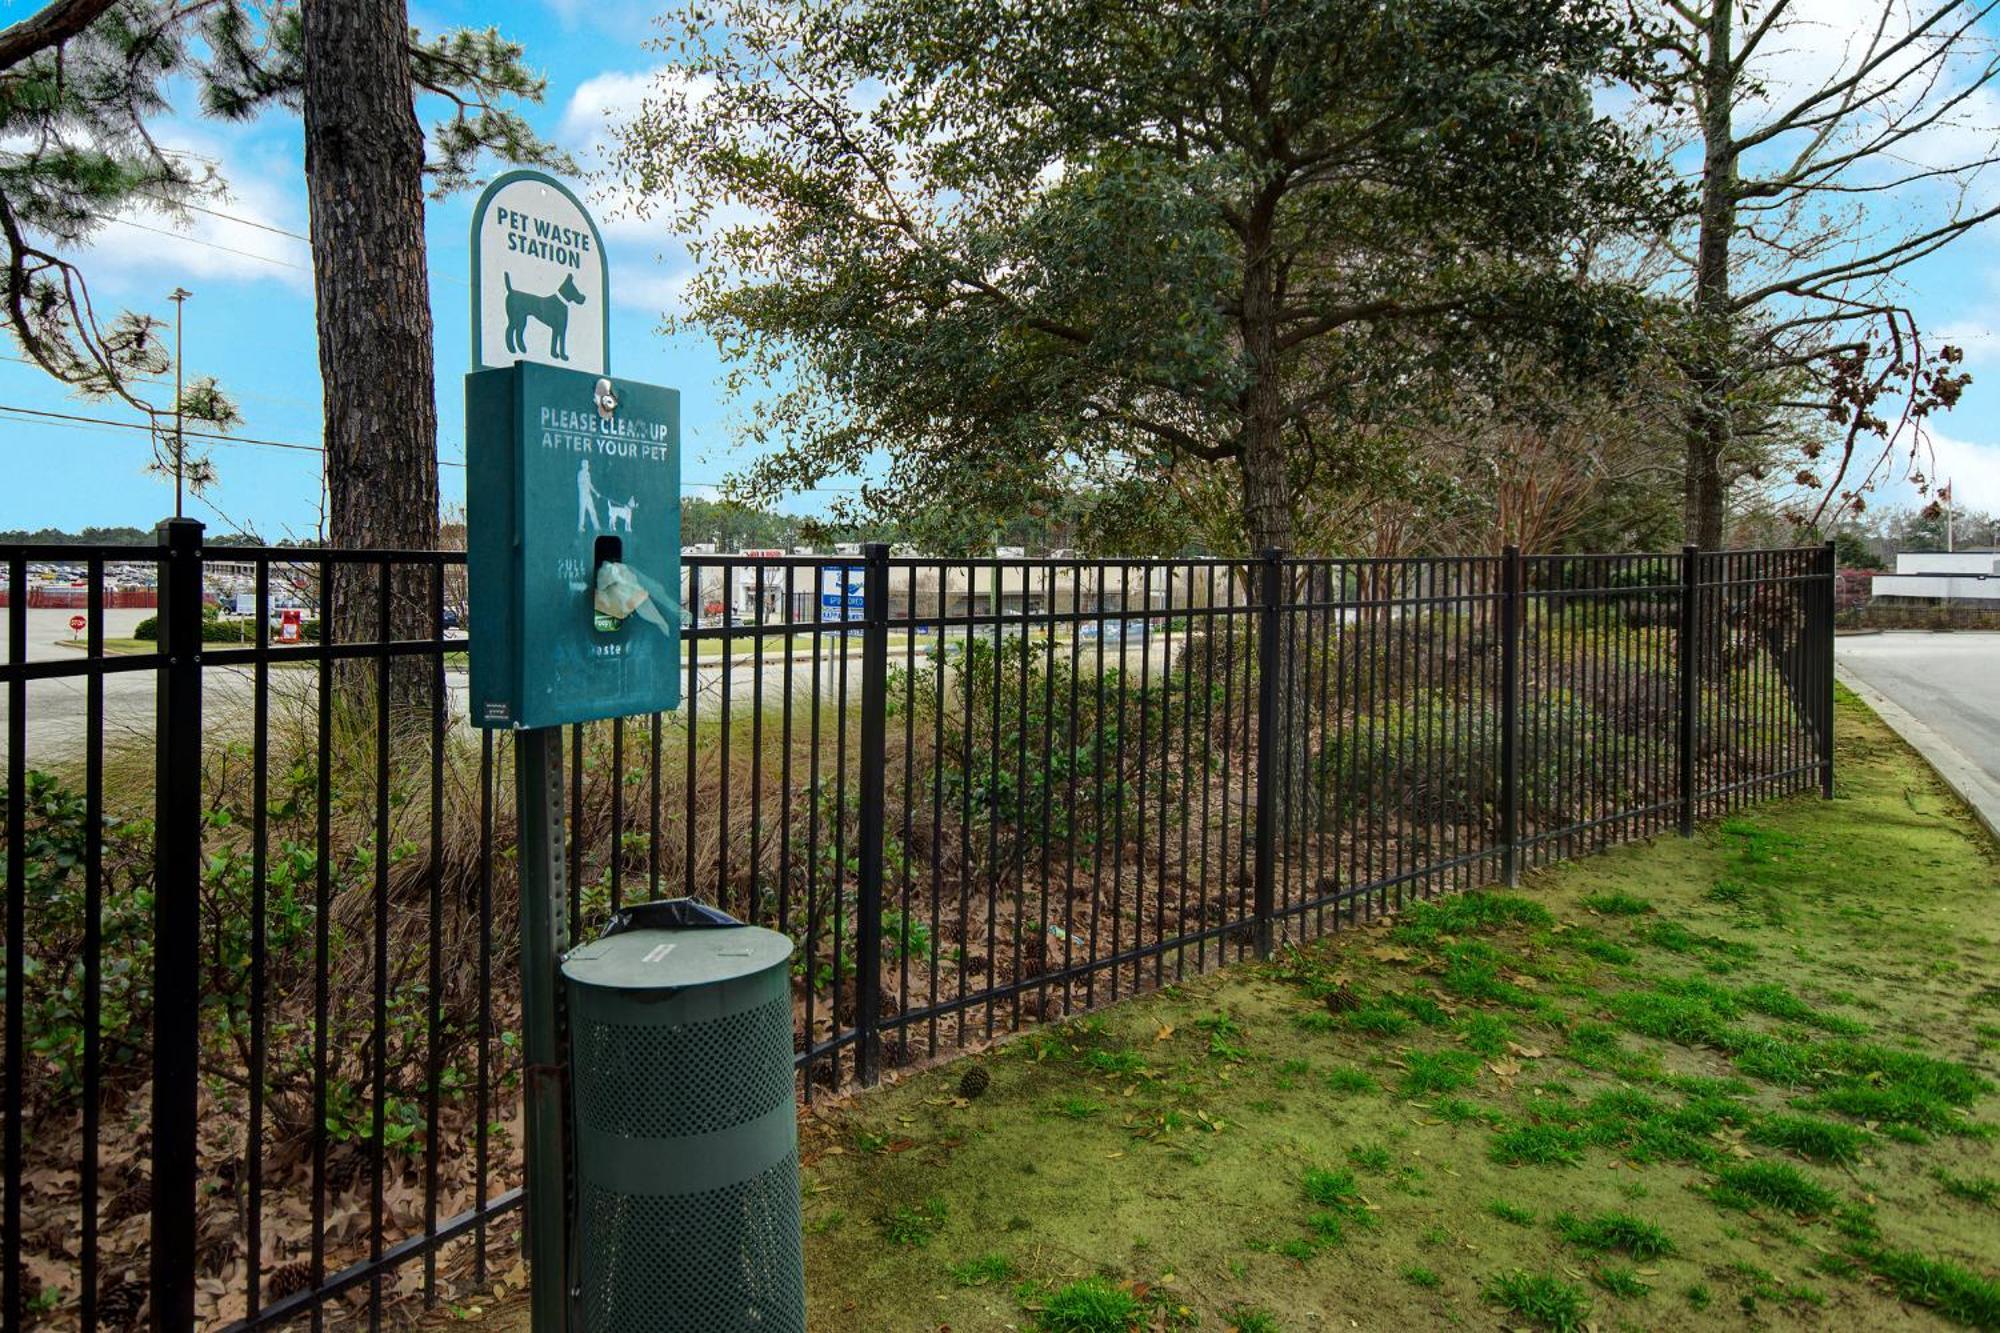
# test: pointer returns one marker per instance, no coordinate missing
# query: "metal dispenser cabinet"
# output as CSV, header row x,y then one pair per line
x,y
685,1131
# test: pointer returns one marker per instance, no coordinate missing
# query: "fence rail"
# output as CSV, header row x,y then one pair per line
x,y
260,981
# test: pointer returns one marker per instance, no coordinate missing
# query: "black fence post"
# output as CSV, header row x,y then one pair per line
x,y
1821,652
1690,679
1510,716
873,780
1269,746
176,925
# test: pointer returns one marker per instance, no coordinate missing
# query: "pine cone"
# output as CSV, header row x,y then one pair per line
x,y
129,1202
1341,1000
121,1304
289,1279
346,1170
974,1082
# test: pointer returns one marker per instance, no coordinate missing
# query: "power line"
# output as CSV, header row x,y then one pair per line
x,y
77,421
234,392
76,418
247,222
210,245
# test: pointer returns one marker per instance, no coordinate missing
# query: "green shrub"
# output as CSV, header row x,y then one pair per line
x,y
998,704
214,629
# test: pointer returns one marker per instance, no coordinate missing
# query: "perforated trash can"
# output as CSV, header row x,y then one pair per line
x,y
686,1140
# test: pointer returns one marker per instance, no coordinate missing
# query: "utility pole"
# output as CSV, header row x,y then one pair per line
x,y
179,297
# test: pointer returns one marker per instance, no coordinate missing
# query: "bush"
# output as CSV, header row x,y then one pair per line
x,y
214,629
993,705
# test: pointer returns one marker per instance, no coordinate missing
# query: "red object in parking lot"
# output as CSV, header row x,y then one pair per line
x,y
76,624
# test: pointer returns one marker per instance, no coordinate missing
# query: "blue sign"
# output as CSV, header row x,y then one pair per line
x,y
842,593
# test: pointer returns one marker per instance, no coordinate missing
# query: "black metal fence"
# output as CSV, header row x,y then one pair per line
x,y
260,897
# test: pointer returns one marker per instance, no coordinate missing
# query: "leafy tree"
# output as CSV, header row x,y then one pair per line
x,y
83,84
1851,550
1809,191
1114,248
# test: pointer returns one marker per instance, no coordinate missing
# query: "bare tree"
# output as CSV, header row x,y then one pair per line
x,y
1825,158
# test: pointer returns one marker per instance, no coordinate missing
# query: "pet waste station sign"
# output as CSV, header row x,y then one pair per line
x,y
540,280
573,480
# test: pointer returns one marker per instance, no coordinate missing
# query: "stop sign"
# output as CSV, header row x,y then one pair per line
x,y
76,624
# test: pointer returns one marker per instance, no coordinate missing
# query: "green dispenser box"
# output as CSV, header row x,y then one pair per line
x,y
573,511
686,1136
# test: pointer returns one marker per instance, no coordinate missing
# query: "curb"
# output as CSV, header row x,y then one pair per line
x,y
1967,780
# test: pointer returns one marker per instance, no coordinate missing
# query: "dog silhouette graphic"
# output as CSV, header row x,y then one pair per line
x,y
552,310
614,514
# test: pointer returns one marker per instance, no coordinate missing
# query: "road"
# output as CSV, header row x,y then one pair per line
x,y
56,708
1949,684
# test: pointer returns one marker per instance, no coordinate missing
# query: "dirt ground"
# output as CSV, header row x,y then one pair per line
x,y
1745,1081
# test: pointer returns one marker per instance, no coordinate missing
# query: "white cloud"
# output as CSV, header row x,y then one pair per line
x,y
254,232
653,258
1972,470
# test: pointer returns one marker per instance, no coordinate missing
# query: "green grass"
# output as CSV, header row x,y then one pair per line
x,y
1439,1071
1952,1290
1811,1137
980,1271
1540,1298
1973,1189
1621,1280
1614,1231
1468,914
913,1227
1252,1319
1090,1306
1538,1145
1774,1185
1329,1189
1351,1080
1369,1157
1626,1084
1486,1034
1419,1276
1617,903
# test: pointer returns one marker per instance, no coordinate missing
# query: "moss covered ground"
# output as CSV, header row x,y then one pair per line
x,y
1743,1081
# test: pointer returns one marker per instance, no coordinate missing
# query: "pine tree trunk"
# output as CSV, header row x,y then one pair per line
x,y
365,183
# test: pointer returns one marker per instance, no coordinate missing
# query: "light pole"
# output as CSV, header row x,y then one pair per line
x,y
179,297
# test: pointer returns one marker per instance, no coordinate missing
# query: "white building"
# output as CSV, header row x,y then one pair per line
x,y
1941,576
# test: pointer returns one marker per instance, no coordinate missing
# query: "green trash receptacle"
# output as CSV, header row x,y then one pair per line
x,y
686,1138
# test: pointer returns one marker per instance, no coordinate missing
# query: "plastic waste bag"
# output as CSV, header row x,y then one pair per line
x,y
618,593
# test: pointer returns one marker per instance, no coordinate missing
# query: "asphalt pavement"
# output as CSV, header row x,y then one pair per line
x,y
1941,692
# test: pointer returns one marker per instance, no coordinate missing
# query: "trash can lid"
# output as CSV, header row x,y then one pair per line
x,y
675,959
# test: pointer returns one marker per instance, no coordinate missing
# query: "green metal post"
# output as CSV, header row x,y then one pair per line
x,y
538,789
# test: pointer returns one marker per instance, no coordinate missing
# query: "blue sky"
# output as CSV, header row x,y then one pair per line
x,y
250,322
